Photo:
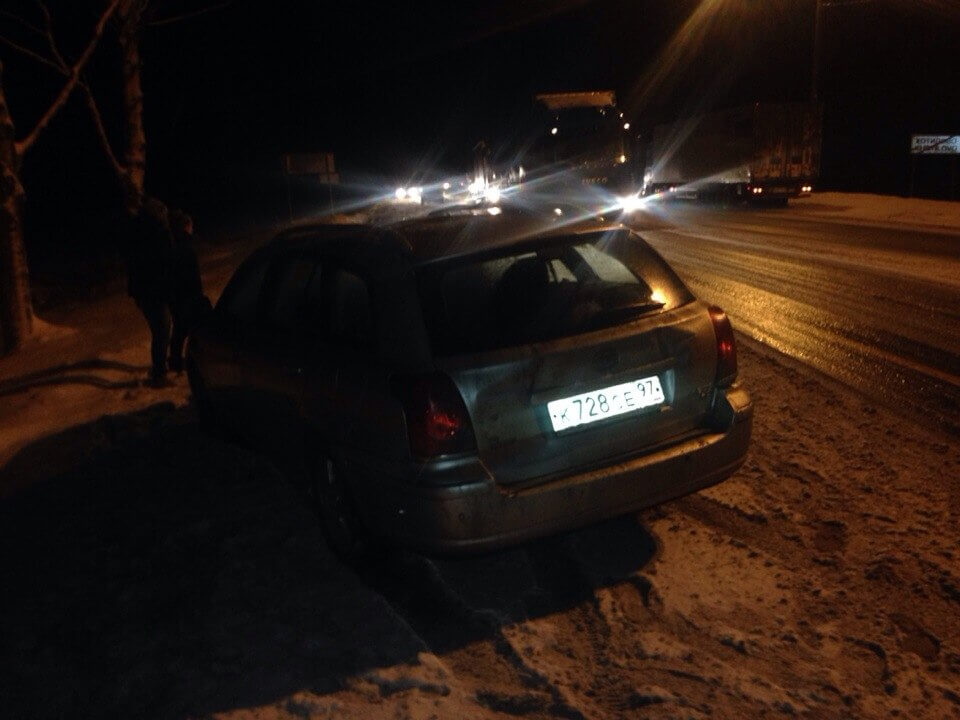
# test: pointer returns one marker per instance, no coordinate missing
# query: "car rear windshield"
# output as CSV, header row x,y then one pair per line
x,y
557,288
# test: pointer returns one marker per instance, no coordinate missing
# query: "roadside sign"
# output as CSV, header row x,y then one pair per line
x,y
319,164
566,100
935,144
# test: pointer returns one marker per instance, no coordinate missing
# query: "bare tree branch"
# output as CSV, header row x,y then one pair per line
x,y
88,99
22,22
48,31
97,119
23,145
60,65
30,53
192,14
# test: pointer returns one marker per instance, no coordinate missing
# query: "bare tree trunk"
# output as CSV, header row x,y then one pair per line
x,y
135,150
16,308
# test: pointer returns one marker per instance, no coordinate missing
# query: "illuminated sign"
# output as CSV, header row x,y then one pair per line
x,y
935,144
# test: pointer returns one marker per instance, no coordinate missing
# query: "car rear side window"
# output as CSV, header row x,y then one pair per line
x,y
284,312
338,308
559,288
240,299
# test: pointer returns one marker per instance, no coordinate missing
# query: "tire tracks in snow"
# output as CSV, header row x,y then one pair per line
x,y
469,639
857,542
834,320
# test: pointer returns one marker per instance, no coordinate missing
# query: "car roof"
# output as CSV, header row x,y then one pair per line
x,y
437,237
430,239
445,237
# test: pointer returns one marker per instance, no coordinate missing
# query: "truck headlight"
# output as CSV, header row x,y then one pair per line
x,y
629,203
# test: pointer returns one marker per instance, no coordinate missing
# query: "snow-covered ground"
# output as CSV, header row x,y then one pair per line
x,y
151,571
884,210
89,360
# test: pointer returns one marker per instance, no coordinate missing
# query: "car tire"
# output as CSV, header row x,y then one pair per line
x,y
331,500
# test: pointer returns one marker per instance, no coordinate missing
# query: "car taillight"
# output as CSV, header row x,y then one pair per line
x,y
437,419
726,347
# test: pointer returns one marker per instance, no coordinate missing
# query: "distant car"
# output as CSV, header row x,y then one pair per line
x,y
462,383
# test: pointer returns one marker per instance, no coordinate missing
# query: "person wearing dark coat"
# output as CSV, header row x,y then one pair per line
x,y
188,304
147,256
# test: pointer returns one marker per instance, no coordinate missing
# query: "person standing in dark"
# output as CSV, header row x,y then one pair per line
x,y
188,304
147,255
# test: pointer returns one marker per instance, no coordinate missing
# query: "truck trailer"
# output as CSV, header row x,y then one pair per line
x,y
766,152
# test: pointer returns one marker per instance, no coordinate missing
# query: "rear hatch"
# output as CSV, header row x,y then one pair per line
x,y
570,354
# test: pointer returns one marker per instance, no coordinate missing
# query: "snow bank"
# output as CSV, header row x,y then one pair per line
x,y
44,331
880,209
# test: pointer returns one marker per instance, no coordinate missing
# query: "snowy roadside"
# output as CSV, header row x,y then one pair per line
x,y
156,572
820,581
159,573
90,360
890,211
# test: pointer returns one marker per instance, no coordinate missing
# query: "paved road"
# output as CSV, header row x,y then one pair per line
x,y
876,308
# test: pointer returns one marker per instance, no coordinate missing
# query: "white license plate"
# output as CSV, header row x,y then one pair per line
x,y
605,403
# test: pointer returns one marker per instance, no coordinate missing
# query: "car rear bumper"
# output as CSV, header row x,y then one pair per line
x,y
475,514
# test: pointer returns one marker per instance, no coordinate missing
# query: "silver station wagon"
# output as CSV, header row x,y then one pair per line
x,y
464,383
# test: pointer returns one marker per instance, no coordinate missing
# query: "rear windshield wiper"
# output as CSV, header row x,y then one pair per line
x,y
606,317
633,309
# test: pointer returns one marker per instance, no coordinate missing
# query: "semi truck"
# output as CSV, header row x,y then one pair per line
x,y
582,135
765,152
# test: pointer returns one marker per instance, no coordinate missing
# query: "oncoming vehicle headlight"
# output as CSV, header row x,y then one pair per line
x,y
629,203
408,194
492,195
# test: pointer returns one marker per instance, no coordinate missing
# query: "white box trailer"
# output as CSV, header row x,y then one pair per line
x,y
765,151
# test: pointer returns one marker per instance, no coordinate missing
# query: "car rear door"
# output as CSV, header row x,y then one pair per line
x,y
274,361
218,346
343,384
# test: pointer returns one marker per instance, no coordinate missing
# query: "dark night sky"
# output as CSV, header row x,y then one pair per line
x,y
387,85
395,87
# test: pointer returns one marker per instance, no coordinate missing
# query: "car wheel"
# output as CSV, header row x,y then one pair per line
x,y
332,503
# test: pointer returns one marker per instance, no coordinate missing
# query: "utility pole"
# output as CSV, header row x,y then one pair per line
x,y
819,6
815,63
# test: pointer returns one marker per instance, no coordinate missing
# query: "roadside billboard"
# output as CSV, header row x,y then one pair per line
x,y
935,144
319,164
